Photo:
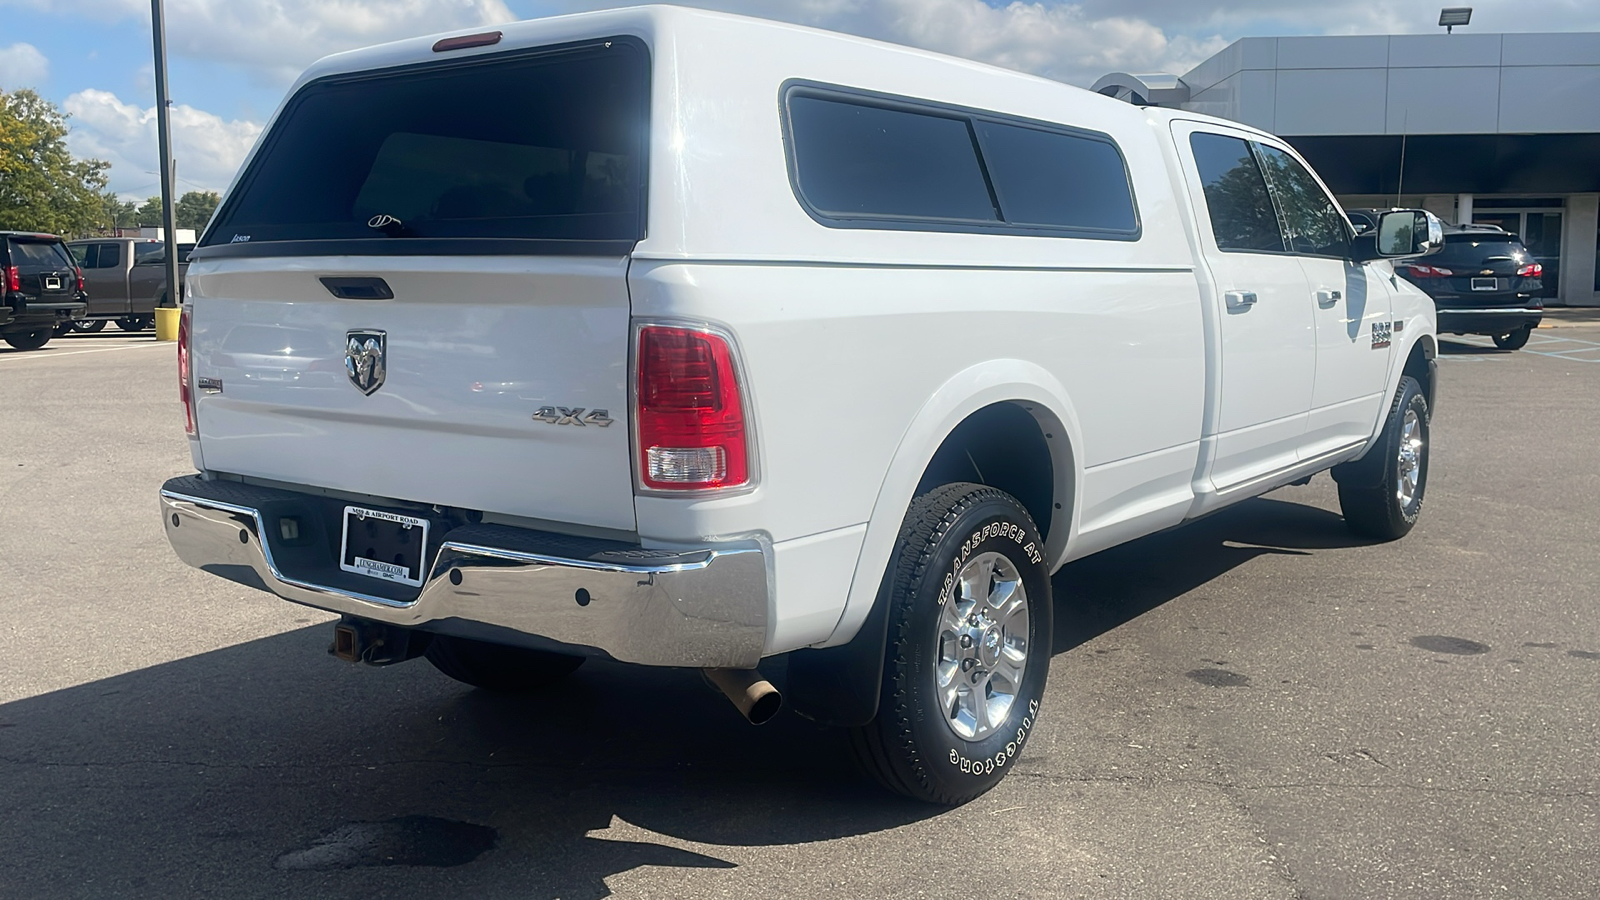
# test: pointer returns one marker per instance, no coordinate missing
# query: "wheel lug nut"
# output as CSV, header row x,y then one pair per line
x,y
967,664
966,640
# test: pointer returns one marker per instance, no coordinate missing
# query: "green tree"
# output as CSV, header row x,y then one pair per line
x,y
149,213
42,186
194,209
119,213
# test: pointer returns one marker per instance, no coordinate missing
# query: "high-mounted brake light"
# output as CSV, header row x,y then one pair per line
x,y
1532,270
13,278
690,413
1430,272
484,39
185,391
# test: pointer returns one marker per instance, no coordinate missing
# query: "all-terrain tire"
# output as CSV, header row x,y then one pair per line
x,y
496,667
1381,494
913,746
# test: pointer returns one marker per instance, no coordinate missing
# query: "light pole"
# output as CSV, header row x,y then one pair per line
x,y
164,141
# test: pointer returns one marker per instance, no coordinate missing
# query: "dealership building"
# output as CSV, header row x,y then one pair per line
x,y
1499,129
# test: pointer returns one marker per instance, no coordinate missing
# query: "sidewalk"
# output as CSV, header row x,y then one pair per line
x,y
1570,316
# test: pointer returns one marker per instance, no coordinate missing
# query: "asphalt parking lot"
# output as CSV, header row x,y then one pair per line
x,y
1254,705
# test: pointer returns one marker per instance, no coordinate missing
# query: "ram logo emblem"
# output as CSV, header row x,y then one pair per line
x,y
366,359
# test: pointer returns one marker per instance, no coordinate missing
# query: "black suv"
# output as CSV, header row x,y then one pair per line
x,y
43,288
1483,282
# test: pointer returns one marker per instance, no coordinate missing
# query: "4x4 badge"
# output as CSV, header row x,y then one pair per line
x,y
572,415
366,359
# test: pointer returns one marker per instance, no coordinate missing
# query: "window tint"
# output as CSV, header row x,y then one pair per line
x,y
548,147
855,160
1476,249
1060,180
110,256
41,254
1241,211
87,255
1313,223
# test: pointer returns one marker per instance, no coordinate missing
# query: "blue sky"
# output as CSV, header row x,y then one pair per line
x,y
231,60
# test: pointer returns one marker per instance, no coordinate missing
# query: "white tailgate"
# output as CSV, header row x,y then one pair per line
x,y
476,345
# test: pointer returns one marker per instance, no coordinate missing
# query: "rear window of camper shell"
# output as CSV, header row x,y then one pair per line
x,y
523,151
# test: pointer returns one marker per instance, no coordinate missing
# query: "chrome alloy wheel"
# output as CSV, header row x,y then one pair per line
x,y
983,645
1409,472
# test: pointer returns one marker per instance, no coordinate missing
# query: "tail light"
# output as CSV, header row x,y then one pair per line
x,y
78,272
689,410
1532,270
185,392
1430,272
13,278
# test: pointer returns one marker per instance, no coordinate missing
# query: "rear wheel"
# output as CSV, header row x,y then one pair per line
x,y
94,327
969,610
1516,340
496,667
29,340
1381,494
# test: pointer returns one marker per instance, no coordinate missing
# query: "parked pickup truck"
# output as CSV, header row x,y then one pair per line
x,y
126,279
718,339
41,290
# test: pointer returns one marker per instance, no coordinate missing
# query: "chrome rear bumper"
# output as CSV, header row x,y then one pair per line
x,y
702,608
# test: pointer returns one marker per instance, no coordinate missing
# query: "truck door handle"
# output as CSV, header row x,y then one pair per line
x,y
1328,298
1240,299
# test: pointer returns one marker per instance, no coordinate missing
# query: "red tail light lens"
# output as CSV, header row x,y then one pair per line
x,y
79,273
1532,270
13,279
1430,272
690,412
185,392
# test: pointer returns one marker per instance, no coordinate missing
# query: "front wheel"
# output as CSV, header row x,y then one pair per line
x,y
29,340
968,601
497,667
1381,494
1516,340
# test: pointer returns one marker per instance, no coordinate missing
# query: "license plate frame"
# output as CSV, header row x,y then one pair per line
x,y
1485,284
402,539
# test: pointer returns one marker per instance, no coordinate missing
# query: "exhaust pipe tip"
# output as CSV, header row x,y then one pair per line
x,y
754,696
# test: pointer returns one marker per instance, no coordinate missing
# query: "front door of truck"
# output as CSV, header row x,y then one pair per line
x,y
1350,305
1266,332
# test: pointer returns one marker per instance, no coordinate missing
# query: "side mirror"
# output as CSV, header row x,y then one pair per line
x,y
1408,232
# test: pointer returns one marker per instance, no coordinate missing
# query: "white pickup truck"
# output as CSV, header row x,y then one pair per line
x,y
685,339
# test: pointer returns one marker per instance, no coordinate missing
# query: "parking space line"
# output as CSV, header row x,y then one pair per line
x,y
9,357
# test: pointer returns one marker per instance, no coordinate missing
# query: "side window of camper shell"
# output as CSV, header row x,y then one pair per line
x,y
859,160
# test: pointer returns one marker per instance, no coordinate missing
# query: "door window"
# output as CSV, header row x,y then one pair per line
x,y
1312,224
1237,201
87,255
109,257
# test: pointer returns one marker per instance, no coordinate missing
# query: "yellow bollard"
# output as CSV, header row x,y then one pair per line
x,y
167,322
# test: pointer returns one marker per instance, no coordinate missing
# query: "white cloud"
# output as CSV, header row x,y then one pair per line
x,y
21,66
207,148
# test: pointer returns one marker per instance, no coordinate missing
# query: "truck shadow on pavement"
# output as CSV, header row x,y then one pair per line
x,y
1098,593
269,769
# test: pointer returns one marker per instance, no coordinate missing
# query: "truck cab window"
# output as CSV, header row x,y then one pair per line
x,y
1242,217
1313,223
87,255
109,257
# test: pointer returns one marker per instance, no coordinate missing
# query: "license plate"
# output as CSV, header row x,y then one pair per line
x,y
1483,284
383,545
52,283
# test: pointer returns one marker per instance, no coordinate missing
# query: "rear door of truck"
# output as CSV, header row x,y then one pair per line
x,y
417,288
